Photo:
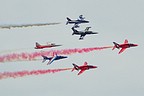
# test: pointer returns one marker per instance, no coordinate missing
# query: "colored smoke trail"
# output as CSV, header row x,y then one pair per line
x,y
25,25
5,75
34,55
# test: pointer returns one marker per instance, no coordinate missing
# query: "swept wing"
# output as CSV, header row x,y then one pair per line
x,y
81,72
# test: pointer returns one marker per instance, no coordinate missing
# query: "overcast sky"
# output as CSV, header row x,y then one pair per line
x,y
115,20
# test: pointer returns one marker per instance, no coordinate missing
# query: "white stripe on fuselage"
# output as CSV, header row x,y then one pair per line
x,y
52,60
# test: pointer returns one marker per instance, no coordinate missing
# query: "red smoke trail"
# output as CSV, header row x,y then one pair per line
x,y
34,55
5,75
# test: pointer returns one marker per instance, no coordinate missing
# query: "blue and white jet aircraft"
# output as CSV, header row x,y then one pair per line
x,y
83,33
76,22
53,58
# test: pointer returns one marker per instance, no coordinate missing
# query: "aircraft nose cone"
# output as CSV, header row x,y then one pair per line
x,y
65,57
94,66
95,33
86,21
58,45
135,44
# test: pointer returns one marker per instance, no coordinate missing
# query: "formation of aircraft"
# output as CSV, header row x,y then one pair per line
x,y
49,45
83,68
123,46
76,23
53,58
83,33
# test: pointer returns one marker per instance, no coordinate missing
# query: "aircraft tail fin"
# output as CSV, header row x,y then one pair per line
x,y
74,30
68,19
116,45
76,67
37,44
45,58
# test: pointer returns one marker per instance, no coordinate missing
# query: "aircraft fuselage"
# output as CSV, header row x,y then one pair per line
x,y
84,33
87,67
60,57
77,21
127,45
47,46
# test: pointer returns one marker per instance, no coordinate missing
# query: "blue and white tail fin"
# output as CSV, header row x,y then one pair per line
x,y
74,30
45,58
68,19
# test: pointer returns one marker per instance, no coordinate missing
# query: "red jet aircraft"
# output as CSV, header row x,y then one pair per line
x,y
83,68
123,46
38,46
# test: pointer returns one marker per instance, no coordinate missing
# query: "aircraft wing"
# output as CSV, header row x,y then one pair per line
x,y
87,28
81,36
81,72
50,61
122,50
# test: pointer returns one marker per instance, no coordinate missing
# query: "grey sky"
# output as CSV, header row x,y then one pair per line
x,y
115,20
